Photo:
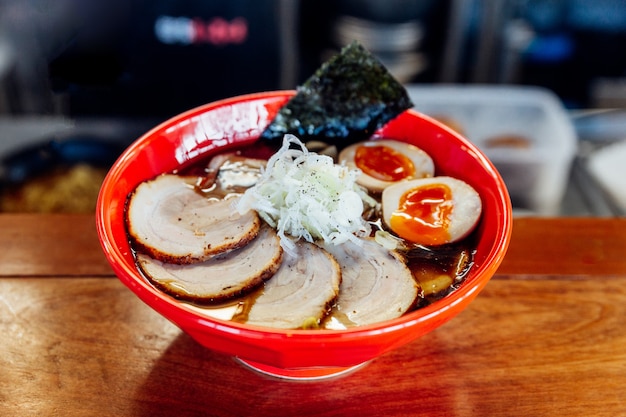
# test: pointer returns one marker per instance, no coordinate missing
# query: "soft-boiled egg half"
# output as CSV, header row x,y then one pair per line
x,y
385,162
431,211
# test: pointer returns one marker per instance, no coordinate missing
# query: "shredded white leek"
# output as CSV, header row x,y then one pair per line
x,y
306,195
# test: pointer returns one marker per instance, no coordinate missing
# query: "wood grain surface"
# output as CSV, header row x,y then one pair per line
x,y
546,337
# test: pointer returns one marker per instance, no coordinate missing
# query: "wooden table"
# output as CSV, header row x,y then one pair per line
x,y
546,337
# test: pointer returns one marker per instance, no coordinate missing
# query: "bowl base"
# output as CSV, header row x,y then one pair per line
x,y
300,374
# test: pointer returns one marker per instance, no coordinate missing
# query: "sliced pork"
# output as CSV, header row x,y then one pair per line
x,y
223,276
300,293
376,285
171,222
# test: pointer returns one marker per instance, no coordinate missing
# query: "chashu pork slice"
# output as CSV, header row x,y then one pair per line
x,y
223,276
170,221
376,285
300,294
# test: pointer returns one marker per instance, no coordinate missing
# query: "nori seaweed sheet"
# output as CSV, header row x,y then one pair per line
x,y
345,101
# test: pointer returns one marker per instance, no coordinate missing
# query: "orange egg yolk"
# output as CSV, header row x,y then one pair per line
x,y
423,215
383,163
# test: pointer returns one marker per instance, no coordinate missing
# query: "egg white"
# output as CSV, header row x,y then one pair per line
x,y
424,165
466,211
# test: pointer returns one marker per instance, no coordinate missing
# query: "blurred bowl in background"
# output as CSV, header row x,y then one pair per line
x,y
59,175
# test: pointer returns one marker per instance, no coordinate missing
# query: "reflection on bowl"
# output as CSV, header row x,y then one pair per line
x,y
296,354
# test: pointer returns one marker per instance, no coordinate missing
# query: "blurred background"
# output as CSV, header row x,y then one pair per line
x,y
76,72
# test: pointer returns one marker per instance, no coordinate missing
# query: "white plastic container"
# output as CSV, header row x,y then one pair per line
x,y
524,131
607,165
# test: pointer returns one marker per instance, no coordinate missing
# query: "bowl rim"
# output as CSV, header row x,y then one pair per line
x,y
158,300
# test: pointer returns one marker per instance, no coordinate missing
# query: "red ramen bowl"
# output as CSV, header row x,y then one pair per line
x,y
296,354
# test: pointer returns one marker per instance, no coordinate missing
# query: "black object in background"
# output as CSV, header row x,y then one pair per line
x,y
575,44
407,36
157,58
